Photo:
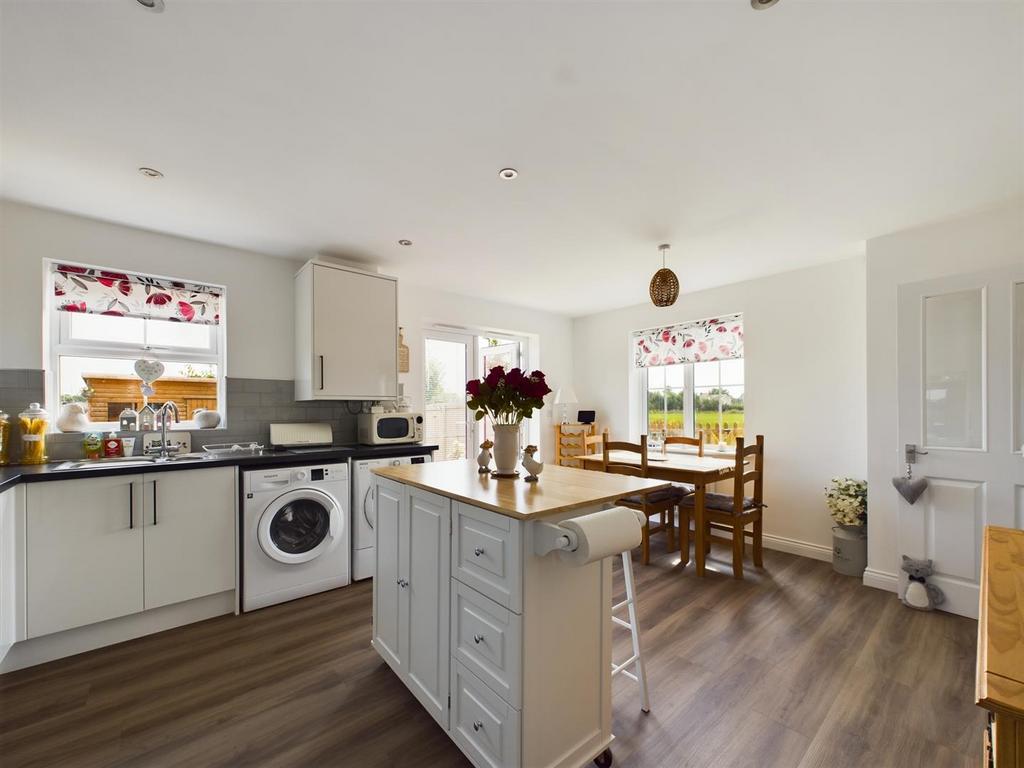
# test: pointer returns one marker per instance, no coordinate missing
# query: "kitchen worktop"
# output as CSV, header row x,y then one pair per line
x,y
559,489
28,473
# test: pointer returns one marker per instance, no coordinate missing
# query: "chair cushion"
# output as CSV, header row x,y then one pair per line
x,y
720,502
657,497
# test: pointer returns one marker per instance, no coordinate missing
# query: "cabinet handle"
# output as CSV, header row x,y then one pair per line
x,y
478,639
154,502
321,372
477,725
478,551
403,583
131,506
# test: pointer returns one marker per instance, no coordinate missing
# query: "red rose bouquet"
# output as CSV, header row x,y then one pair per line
x,y
507,397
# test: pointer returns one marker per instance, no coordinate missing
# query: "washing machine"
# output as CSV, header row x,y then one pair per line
x,y
364,561
295,533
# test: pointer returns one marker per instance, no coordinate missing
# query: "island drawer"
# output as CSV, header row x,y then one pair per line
x,y
487,640
486,554
483,725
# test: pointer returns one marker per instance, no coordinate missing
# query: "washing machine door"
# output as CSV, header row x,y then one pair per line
x,y
300,525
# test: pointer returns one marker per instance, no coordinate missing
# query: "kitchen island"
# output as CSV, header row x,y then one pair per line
x,y
508,649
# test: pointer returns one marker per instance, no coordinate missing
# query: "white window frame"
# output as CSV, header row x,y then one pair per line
x,y
689,392
62,345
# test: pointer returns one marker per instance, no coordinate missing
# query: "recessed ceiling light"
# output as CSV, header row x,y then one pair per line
x,y
508,173
405,242
156,6
151,173
757,5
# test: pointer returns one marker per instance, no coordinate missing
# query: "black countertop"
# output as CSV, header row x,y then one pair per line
x,y
29,473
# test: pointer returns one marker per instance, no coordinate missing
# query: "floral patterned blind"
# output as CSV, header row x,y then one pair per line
x,y
101,292
718,338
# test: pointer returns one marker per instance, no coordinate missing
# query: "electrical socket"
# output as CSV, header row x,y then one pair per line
x,y
180,440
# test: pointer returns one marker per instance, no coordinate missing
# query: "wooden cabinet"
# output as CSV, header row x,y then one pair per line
x,y
104,547
346,331
411,591
84,552
1000,670
188,534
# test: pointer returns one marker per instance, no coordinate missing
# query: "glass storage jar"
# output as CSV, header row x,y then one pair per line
x,y
5,438
34,422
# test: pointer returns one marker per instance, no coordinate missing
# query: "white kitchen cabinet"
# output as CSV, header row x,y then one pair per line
x,y
12,568
83,552
412,592
387,582
346,333
188,534
104,547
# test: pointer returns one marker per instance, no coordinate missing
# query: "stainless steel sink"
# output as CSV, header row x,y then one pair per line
x,y
126,461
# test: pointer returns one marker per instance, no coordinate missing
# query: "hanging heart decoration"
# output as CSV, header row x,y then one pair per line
x,y
910,489
149,370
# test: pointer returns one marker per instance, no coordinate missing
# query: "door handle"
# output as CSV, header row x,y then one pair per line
x,y
321,372
131,506
911,452
154,502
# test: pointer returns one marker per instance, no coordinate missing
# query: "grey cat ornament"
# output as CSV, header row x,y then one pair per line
x,y
919,594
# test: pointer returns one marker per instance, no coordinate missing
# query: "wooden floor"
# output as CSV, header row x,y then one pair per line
x,y
795,666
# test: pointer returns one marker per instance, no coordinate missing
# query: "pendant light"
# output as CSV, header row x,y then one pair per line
x,y
664,284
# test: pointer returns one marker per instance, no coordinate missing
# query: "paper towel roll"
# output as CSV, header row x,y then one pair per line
x,y
602,534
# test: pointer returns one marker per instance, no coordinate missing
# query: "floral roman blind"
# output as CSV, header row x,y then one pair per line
x,y
718,338
101,292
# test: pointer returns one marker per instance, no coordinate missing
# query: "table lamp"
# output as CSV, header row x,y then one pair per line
x,y
565,397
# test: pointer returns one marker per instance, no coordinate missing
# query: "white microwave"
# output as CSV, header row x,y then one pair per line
x,y
383,428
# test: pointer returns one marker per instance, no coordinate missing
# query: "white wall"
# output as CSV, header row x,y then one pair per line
x,y
982,240
804,371
259,297
259,288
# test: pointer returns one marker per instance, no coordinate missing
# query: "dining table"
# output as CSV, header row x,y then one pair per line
x,y
677,467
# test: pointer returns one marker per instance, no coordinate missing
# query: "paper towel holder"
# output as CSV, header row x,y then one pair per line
x,y
548,537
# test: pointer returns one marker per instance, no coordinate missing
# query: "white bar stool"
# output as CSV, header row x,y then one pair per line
x,y
639,675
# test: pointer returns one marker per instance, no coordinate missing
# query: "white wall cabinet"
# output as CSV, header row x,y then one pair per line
x,y
411,591
346,332
104,547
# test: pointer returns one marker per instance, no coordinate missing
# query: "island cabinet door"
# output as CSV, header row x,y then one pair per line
x,y
428,601
392,517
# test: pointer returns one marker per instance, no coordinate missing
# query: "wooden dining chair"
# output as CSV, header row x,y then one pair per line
x,y
697,441
661,502
734,513
592,444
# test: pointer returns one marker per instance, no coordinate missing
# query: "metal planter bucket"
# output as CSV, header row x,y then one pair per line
x,y
849,549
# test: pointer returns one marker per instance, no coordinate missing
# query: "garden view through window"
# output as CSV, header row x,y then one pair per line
x,y
687,397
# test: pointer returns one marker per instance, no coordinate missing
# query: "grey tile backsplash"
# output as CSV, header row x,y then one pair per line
x,y
252,404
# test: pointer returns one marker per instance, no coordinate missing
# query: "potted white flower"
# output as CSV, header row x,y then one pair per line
x,y
847,501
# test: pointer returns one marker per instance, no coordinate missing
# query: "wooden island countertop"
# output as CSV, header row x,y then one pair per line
x,y
559,489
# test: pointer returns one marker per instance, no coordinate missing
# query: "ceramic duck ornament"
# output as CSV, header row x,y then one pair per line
x,y
531,464
484,459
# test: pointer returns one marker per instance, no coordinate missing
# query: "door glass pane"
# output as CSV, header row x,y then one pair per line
x,y
954,410
299,526
508,354
445,415
1018,364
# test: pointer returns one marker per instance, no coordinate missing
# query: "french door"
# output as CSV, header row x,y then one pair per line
x,y
451,359
961,405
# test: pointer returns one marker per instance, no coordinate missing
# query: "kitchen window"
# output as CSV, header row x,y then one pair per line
x,y
686,397
103,320
691,379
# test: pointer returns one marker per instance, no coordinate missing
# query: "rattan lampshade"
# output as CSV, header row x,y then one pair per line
x,y
664,284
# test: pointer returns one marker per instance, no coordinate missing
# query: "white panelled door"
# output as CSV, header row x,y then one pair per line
x,y
961,395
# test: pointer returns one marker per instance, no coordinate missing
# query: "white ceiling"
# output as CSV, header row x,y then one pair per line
x,y
754,142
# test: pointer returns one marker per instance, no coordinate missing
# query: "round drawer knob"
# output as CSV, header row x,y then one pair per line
x,y
477,725
478,551
478,639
